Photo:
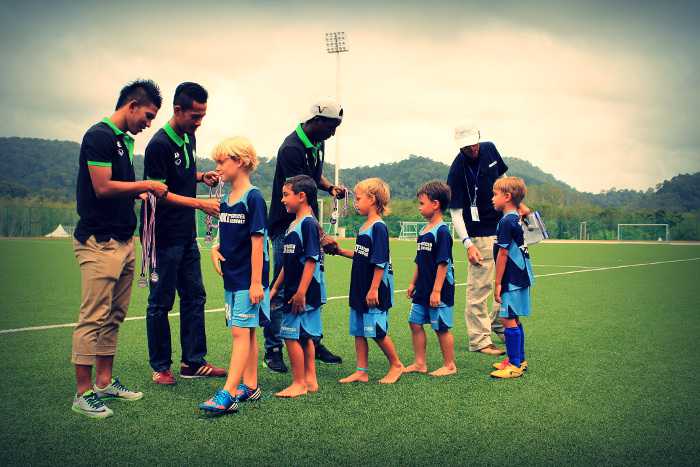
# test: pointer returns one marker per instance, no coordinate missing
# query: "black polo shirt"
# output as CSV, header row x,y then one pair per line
x,y
172,160
296,156
105,145
465,174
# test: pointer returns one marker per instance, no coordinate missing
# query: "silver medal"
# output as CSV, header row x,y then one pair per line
x,y
154,277
143,283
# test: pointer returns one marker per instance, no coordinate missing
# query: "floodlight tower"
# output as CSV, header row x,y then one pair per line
x,y
335,44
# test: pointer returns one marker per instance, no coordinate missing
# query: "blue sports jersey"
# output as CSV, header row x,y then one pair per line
x,y
371,250
302,242
509,236
237,223
434,248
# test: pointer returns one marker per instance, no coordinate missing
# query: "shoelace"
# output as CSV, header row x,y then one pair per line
x,y
93,401
220,398
119,386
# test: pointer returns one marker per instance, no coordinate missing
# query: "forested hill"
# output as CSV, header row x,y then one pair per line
x,y
39,168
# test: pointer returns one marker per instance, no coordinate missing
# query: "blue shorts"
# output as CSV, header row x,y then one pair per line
x,y
241,313
374,323
300,326
515,303
440,318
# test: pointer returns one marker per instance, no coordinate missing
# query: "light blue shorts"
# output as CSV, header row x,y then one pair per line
x,y
241,313
440,318
374,323
300,326
515,303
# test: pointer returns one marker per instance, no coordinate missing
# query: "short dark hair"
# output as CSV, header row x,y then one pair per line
x,y
188,92
437,191
303,184
143,91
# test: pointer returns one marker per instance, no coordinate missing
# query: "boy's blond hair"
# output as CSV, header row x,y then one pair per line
x,y
379,190
513,185
237,148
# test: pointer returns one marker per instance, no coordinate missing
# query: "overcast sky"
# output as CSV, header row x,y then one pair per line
x,y
599,95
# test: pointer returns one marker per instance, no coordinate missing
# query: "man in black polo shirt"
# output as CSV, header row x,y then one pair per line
x,y
301,153
171,158
104,247
473,172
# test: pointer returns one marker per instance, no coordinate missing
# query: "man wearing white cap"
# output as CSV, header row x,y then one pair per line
x,y
471,178
301,153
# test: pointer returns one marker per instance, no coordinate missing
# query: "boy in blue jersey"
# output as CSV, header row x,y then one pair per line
x,y
301,279
371,282
513,275
242,258
433,285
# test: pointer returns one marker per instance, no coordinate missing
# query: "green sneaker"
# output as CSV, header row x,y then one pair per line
x,y
116,390
90,405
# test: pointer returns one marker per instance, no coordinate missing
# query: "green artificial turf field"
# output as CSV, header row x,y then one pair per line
x,y
611,378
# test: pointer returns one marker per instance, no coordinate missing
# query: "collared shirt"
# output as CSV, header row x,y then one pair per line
x,y
434,248
296,156
518,273
302,243
465,177
371,251
105,145
171,159
238,222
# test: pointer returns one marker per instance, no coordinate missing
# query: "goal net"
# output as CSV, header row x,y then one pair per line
x,y
645,232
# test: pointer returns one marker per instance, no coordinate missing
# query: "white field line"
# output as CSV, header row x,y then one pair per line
x,y
341,297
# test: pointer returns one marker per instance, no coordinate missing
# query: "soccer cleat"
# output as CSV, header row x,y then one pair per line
x,y
116,390
504,363
248,394
163,377
206,370
510,371
222,402
90,405
273,360
326,356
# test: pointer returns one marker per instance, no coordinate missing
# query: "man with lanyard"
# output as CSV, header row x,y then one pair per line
x,y
301,153
471,179
104,245
171,158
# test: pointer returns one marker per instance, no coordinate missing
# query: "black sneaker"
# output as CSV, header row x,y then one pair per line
x,y
325,355
273,360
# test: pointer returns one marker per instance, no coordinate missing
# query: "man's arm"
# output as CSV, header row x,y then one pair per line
x,y
210,206
105,187
473,254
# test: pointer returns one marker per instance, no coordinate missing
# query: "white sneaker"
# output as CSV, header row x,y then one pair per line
x,y
116,390
90,405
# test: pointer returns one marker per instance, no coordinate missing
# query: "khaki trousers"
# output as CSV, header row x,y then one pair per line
x,y
107,272
480,321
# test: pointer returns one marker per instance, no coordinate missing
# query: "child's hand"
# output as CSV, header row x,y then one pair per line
x,y
434,299
298,302
217,258
411,290
372,298
256,293
497,293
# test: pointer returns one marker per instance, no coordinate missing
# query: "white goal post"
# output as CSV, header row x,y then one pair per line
x,y
411,229
664,228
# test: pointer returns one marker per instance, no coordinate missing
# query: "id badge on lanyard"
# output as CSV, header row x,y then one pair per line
x,y
474,210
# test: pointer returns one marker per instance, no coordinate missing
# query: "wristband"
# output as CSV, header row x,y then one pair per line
x,y
467,242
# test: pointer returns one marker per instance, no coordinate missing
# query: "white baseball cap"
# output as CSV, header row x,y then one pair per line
x,y
327,109
467,135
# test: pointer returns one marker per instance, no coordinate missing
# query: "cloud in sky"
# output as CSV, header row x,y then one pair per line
x,y
598,104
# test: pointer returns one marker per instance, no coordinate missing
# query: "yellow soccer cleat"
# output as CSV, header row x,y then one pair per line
x,y
505,362
510,371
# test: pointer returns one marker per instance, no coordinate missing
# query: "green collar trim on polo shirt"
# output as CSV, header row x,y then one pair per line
x,y
128,139
179,141
306,141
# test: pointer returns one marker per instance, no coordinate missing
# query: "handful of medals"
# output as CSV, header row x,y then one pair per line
x,y
328,243
148,241
217,191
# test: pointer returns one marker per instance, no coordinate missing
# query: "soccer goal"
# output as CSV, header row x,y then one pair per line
x,y
648,232
411,229
583,231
